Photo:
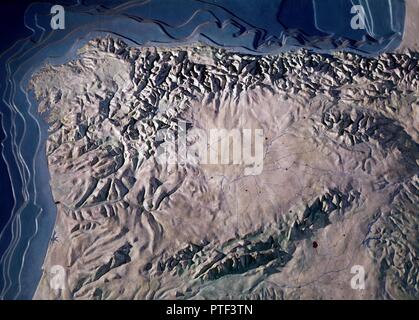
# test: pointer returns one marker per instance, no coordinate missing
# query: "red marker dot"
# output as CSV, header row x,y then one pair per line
x,y
315,244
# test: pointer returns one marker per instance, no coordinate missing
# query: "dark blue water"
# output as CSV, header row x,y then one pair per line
x,y
12,28
254,27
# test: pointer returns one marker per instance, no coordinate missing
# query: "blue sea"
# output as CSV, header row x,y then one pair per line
x,y
28,42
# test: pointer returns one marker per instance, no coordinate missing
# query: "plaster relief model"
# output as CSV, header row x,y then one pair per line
x,y
337,187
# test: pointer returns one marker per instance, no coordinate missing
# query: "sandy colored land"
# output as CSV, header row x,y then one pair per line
x,y
338,187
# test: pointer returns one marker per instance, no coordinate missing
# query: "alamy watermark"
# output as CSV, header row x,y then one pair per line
x,y
358,280
58,18
358,20
57,277
218,146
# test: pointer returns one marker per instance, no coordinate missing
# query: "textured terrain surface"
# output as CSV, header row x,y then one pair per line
x,y
339,185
